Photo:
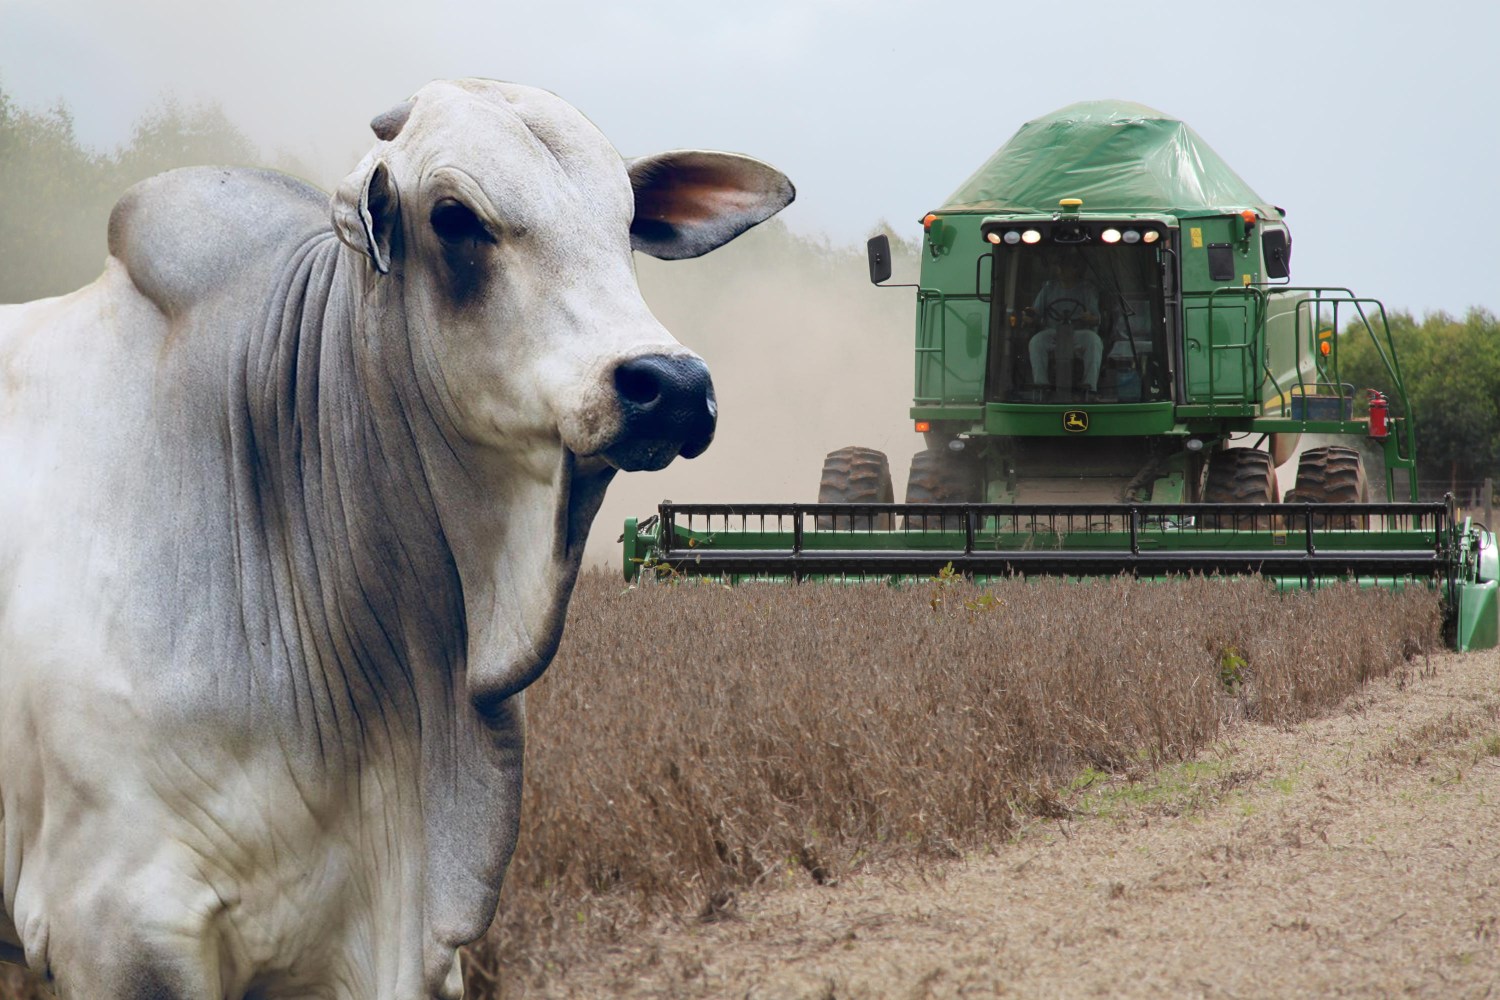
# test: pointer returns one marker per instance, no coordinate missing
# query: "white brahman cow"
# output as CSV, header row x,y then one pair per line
x,y
289,516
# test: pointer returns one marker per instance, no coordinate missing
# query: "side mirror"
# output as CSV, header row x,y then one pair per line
x,y
1276,246
879,251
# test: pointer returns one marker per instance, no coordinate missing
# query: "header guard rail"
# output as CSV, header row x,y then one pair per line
x,y
1297,540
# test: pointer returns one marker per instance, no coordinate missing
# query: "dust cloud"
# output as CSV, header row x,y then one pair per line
x,y
806,355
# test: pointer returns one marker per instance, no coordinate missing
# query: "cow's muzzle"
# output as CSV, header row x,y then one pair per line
x,y
667,408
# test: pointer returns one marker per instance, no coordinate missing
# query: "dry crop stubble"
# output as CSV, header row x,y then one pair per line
x,y
692,742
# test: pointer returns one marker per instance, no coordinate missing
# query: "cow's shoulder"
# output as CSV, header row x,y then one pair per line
x,y
187,233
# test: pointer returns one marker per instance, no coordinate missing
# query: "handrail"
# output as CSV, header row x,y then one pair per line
x,y
1385,349
1315,299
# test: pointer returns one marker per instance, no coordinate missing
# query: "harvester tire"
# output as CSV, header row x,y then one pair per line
x,y
938,475
1240,475
856,475
1331,474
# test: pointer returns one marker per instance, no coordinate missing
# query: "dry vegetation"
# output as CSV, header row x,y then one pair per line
x,y
693,741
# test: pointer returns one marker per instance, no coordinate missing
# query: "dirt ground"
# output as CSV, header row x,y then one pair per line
x,y
1355,855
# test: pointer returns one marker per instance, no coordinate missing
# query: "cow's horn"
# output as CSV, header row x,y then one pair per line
x,y
387,125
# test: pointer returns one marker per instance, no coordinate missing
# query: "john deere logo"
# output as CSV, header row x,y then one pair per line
x,y
1076,421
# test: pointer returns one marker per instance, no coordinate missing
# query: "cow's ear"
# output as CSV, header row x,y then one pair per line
x,y
366,210
689,202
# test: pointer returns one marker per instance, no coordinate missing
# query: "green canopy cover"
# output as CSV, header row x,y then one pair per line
x,y
1116,156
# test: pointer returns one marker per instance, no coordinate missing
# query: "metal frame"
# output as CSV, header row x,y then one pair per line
x,y
1306,542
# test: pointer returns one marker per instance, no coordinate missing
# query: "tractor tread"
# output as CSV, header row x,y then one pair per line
x,y
1331,474
940,476
1240,475
855,475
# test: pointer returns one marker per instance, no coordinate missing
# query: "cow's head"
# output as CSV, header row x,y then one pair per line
x,y
507,222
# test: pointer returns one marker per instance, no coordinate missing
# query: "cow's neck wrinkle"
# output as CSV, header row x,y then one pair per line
x,y
360,580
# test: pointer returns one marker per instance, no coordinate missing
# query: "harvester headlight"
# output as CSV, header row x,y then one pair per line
x,y
1013,237
1111,236
1150,236
993,237
1031,236
1131,236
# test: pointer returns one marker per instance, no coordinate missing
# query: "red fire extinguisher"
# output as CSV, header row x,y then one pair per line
x,y
1378,409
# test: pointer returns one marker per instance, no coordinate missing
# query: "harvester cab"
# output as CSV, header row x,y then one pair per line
x,y
1111,362
1075,319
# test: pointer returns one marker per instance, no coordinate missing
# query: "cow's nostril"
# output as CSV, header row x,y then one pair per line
x,y
637,384
667,409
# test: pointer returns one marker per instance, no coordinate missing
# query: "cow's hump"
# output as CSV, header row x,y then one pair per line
x,y
186,233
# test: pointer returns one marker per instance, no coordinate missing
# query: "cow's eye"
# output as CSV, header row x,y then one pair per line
x,y
455,222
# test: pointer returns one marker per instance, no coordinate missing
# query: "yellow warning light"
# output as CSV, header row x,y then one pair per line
x,y
1326,347
1071,202
928,220
923,426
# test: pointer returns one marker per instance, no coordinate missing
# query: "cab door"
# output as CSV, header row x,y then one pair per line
x,y
1220,311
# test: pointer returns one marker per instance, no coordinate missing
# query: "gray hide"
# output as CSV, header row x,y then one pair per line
x,y
290,514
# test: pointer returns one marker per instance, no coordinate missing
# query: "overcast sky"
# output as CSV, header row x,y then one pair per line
x,y
1374,124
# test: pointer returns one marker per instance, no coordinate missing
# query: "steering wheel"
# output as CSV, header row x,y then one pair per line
x,y
1064,310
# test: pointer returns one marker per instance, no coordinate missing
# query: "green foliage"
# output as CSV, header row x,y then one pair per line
x,y
941,581
57,195
1232,668
662,572
985,602
174,136
53,204
947,578
1452,372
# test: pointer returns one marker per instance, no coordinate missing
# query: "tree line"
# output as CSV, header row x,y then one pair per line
x,y
56,193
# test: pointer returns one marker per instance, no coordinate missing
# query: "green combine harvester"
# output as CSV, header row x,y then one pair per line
x,y
1111,363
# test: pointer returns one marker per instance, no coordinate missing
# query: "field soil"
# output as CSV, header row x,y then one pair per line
x,y
1353,855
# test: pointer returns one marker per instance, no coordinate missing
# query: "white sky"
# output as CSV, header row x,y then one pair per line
x,y
1374,124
